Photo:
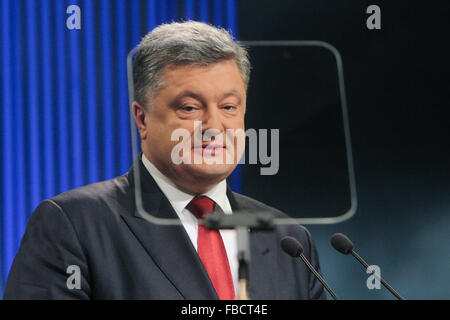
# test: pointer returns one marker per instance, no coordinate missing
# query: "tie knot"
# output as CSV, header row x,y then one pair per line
x,y
200,205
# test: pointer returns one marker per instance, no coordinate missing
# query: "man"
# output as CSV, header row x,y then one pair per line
x,y
188,76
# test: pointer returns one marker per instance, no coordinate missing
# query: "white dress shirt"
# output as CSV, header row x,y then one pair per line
x,y
180,199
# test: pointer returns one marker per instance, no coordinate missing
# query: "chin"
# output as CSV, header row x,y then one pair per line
x,y
213,172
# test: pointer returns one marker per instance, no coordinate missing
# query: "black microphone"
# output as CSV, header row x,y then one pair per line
x,y
344,245
294,248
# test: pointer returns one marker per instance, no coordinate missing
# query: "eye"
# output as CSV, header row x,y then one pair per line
x,y
188,108
229,108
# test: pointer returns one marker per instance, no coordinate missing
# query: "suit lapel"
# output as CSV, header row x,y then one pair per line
x,y
168,245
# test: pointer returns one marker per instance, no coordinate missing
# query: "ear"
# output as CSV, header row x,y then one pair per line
x,y
140,116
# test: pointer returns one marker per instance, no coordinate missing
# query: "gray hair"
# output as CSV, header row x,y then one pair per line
x,y
182,43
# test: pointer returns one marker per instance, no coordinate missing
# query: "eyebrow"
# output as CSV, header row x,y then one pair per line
x,y
230,93
192,94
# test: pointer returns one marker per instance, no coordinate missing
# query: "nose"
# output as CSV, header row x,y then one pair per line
x,y
212,120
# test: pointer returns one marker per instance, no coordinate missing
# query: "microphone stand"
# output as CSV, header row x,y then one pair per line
x,y
244,260
243,222
376,275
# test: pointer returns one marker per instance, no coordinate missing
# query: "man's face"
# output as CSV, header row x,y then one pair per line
x,y
213,96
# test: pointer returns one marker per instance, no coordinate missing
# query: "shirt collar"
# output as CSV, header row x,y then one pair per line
x,y
180,199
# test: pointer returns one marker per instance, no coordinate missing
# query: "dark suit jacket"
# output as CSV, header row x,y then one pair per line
x,y
123,256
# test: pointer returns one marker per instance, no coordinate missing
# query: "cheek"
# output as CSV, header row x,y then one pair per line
x,y
233,123
160,125
165,136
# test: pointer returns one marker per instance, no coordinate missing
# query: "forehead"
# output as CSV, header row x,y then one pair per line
x,y
221,75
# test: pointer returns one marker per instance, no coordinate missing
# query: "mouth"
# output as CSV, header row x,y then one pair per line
x,y
210,149
209,146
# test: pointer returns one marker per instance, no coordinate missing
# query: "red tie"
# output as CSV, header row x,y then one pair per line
x,y
212,251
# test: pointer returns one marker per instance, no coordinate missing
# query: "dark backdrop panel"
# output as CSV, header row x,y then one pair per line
x,y
398,90
296,90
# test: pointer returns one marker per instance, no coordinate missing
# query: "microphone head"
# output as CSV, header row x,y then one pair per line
x,y
341,243
291,246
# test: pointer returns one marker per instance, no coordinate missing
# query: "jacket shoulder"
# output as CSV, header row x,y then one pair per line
x,y
95,198
248,203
